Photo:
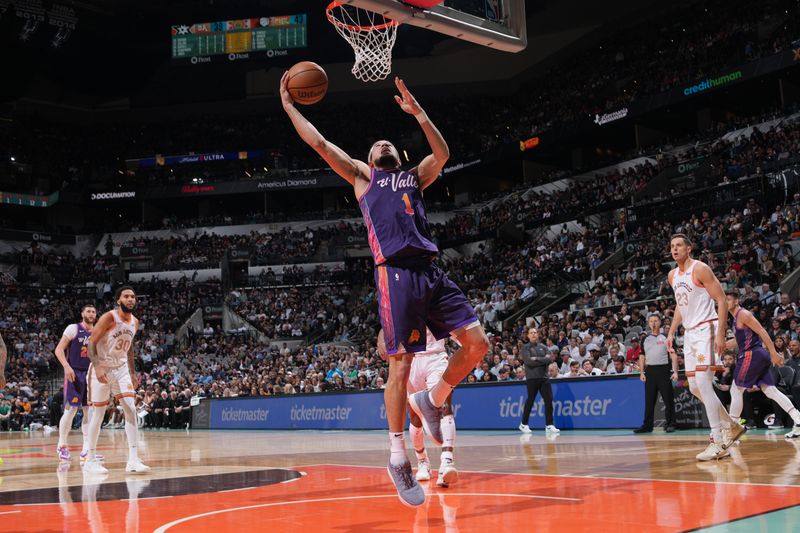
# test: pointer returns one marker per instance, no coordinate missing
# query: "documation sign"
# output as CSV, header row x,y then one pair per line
x,y
712,83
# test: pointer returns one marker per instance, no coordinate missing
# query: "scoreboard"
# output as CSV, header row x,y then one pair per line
x,y
234,40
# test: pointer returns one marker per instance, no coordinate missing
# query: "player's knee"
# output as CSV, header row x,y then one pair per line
x,y
477,343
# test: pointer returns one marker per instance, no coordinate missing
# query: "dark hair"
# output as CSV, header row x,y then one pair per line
x,y
88,305
122,289
733,293
683,236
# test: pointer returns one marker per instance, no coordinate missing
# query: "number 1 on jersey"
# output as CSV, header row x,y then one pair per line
x,y
409,209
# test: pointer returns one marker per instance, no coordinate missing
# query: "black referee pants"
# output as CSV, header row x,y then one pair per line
x,y
539,386
657,379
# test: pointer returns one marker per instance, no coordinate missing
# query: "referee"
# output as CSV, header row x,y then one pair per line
x,y
656,376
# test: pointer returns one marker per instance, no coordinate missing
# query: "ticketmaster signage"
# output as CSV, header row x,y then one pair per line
x,y
578,404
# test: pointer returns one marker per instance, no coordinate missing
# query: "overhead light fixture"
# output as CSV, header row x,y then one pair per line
x,y
61,35
28,30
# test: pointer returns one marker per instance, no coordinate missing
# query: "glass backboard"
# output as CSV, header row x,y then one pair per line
x,y
498,24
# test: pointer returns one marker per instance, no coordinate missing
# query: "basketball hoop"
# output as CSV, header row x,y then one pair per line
x,y
370,34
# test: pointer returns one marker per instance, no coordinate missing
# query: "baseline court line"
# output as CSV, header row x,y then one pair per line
x,y
165,527
597,476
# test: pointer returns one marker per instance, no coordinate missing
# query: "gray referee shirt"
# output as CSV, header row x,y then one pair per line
x,y
655,349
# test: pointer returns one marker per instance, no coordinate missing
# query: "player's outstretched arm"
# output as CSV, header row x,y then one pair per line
x,y
677,319
345,166
69,374
98,332
708,280
432,165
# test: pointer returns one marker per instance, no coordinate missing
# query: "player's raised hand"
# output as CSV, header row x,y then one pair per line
x,y
406,100
286,98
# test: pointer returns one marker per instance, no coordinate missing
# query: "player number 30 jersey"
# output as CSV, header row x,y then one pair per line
x,y
113,349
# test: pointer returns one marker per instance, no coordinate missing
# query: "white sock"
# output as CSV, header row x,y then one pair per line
x,y
418,441
65,425
87,415
711,403
737,401
448,431
780,398
94,430
397,442
131,431
439,393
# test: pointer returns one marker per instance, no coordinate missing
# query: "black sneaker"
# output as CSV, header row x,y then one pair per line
x,y
643,430
669,429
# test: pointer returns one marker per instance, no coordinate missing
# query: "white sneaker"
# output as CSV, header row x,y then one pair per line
x,y
94,467
448,474
714,451
525,428
137,467
424,471
731,435
552,429
794,433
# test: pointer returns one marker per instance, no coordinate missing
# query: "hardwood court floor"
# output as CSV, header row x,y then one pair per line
x,y
335,481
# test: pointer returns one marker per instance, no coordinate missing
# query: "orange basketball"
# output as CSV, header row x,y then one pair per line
x,y
308,83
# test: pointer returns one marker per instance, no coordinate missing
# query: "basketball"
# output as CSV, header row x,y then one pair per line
x,y
308,83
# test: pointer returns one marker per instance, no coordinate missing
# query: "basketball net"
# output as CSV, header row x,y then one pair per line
x,y
370,34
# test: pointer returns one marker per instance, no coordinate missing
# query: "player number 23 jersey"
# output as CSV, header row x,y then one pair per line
x,y
695,304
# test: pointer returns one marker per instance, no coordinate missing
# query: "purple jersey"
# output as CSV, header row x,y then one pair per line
x,y
77,352
745,337
394,214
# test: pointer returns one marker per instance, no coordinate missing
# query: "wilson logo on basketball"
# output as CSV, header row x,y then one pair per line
x,y
309,93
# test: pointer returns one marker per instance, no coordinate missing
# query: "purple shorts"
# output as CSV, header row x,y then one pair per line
x,y
753,368
75,391
413,295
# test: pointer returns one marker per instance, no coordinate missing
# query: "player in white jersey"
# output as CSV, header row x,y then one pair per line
x,y
426,370
697,289
112,371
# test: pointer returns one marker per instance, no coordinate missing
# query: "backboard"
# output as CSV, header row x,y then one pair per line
x,y
498,24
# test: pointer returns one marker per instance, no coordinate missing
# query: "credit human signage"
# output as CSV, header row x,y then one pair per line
x,y
711,83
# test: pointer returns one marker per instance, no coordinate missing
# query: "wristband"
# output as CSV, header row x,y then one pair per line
x,y
421,117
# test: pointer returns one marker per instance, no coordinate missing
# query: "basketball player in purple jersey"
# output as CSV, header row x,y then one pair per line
x,y
72,353
413,292
754,363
